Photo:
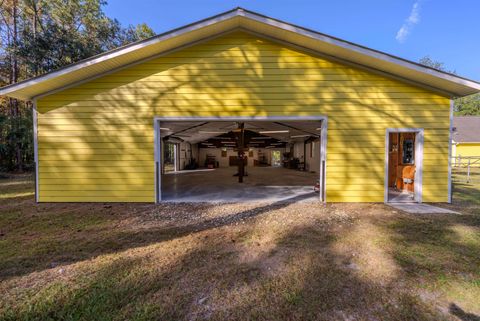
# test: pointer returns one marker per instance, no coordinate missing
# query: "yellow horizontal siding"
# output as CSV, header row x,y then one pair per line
x,y
98,176
87,182
468,149
372,115
96,139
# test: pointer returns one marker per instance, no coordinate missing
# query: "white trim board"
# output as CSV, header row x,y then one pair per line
x,y
419,139
450,151
322,150
241,18
35,146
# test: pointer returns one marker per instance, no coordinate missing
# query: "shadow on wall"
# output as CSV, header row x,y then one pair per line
x,y
103,130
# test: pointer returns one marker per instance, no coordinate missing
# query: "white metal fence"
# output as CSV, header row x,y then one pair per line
x,y
466,168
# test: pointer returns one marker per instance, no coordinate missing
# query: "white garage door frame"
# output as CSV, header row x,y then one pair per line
x,y
322,150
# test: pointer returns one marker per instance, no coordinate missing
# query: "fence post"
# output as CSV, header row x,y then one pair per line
x,y
468,171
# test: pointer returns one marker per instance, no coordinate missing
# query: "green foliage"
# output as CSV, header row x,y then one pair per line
x,y
38,36
429,62
464,106
16,144
134,33
468,106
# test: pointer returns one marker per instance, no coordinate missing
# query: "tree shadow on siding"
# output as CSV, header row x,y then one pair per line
x,y
255,78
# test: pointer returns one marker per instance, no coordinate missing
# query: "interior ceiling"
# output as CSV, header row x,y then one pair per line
x,y
203,131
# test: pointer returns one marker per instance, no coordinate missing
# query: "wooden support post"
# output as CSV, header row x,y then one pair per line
x,y
241,152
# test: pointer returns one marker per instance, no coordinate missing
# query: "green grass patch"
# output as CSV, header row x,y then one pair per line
x,y
137,262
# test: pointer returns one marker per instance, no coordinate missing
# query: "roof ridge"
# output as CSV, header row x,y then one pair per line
x,y
449,84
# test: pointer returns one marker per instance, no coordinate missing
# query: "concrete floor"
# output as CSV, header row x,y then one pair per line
x,y
395,196
415,208
219,185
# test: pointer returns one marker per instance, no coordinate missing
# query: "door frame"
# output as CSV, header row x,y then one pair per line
x,y
419,140
322,150
176,157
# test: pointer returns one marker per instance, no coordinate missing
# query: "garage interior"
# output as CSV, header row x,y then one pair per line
x,y
234,161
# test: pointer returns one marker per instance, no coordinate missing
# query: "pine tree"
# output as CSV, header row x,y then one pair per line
x,y
38,36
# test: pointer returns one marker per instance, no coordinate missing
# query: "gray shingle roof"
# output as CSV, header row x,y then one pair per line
x,y
466,129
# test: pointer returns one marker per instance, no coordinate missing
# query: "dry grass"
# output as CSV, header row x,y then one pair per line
x,y
283,261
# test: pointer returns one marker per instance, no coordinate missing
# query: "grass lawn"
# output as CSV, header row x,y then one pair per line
x,y
281,261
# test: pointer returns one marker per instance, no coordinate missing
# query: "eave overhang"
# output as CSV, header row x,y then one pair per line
x,y
330,47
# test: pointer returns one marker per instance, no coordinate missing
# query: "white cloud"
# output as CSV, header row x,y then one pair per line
x,y
410,22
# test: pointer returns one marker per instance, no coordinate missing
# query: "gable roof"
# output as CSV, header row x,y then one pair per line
x,y
466,129
239,18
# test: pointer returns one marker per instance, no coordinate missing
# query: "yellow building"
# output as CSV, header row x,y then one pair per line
x,y
466,136
176,116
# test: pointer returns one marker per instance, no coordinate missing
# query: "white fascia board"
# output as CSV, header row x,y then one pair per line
x,y
360,49
114,54
344,49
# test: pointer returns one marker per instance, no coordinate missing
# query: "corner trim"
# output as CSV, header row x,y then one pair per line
x,y
323,160
35,146
450,140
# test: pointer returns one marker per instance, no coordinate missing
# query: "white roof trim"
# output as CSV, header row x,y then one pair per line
x,y
115,53
449,83
360,49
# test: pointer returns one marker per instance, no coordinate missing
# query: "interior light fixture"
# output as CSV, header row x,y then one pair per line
x,y
164,128
298,136
274,131
318,128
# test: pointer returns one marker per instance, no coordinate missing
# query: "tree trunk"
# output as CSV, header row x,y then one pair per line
x,y
14,102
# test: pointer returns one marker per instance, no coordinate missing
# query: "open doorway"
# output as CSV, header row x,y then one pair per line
x,y
403,170
170,157
276,158
239,159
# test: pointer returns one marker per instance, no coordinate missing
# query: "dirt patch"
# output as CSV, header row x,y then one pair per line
x,y
255,261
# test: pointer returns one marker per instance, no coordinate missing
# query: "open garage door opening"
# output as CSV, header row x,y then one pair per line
x,y
202,160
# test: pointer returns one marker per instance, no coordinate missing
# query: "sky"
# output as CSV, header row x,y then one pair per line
x,y
445,30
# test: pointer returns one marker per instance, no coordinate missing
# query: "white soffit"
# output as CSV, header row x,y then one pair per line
x,y
446,83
